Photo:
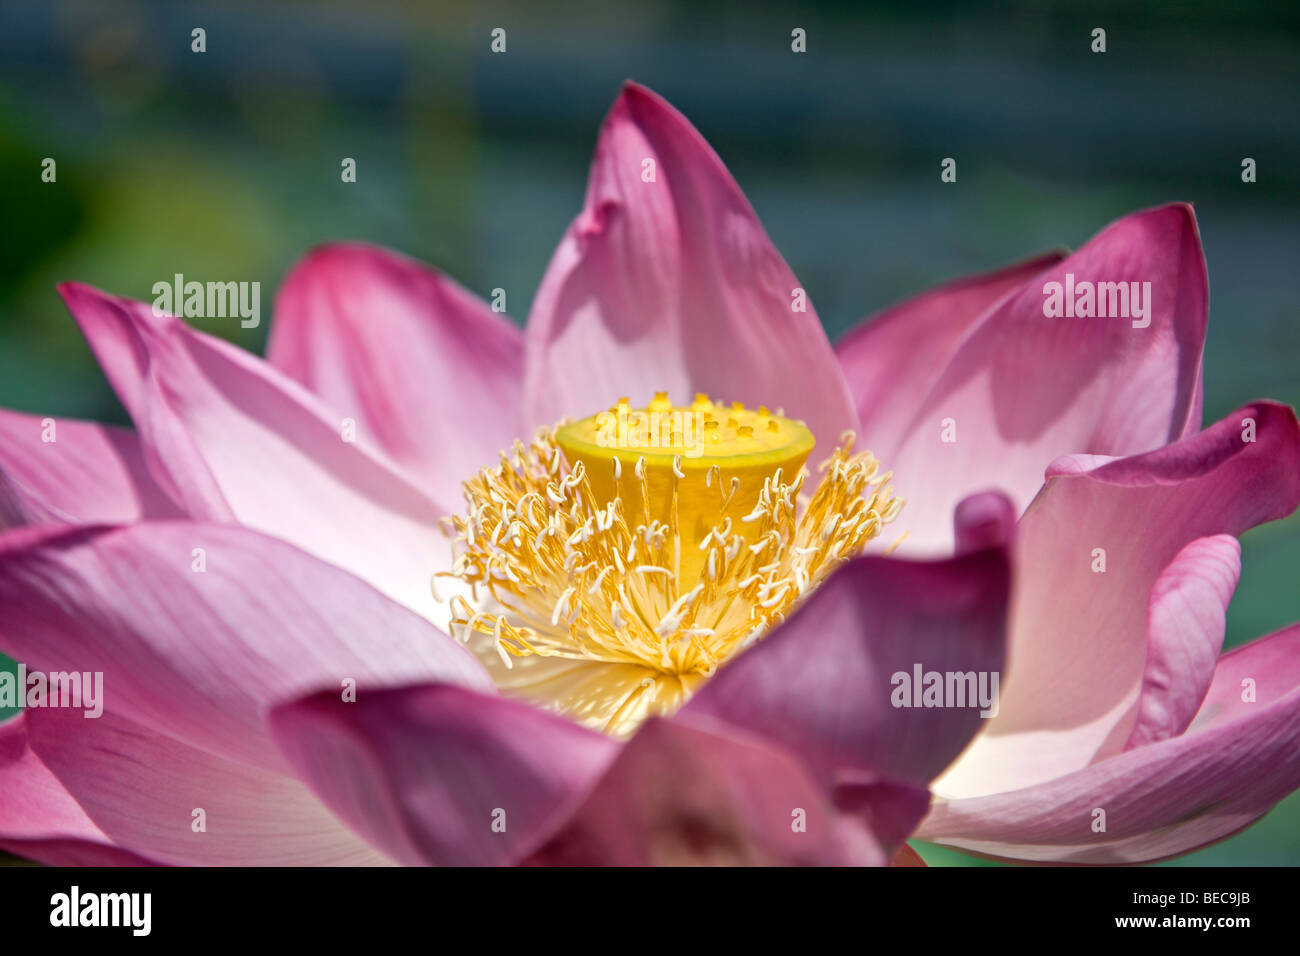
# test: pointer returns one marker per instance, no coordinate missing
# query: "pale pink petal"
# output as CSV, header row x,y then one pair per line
x,y
1022,388
200,655
673,285
68,471
1160,800
894,358
422,365
1251,676
1079,635
683,793
39,819
825,683
143,788
232,439
440,774
1185,628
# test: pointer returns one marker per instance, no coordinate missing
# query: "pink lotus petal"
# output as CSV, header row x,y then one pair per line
x,y
1161,800
201,656
440,774
681,792
87,473
142,788
898,355
673,285
907,857
420,363
39,819
1185,627
984,520
1079,637
1022,388
232,439
1262,672
889,810
822,683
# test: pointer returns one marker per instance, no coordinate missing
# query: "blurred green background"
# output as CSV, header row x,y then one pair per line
x,y
225,165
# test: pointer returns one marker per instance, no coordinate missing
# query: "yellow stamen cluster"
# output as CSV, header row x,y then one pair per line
x,y
656,568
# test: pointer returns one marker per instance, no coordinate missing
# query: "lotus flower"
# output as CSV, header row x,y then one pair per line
x,y
628,657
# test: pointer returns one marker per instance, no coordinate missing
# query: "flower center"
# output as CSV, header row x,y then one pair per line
x,y
616,562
